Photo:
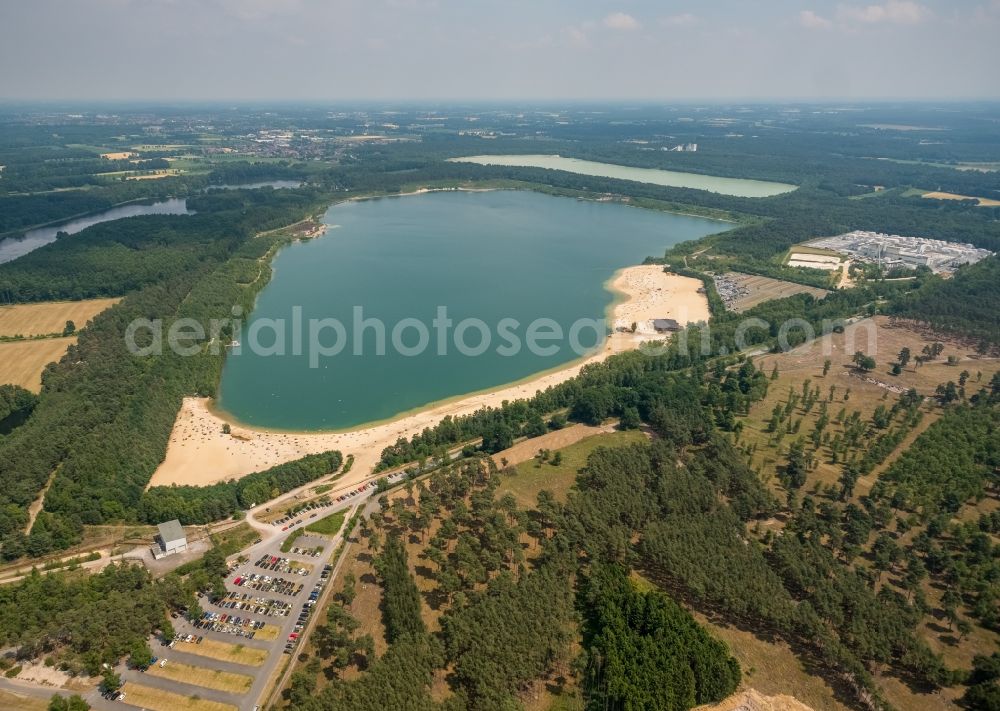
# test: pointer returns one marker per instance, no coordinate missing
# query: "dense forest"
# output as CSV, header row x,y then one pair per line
x,y
104,415
204,504
16,404
966,304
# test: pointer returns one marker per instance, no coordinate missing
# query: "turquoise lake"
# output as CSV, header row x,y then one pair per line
x,y
484,255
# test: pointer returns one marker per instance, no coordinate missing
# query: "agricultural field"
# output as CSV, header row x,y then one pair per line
x,y
169,172
199,676
50,317
743,291
981,201
22,362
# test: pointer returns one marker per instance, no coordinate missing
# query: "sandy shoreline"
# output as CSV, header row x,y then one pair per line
x,y
199,453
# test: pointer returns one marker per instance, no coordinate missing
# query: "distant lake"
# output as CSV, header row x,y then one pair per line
x,y
738,187
14,247
488,255
260,184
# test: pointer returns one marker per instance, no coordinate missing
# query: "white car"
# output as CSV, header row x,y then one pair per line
x,y
163,663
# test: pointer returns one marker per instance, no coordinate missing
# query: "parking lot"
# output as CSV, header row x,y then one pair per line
x,y
229,654
336,500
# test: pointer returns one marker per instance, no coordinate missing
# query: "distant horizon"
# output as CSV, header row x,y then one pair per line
x,y
498,102
560,50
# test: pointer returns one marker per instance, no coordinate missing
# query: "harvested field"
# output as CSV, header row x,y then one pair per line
x,y
982,202
742,291
223,651
158,700
22,362
118,155
50,317
155,176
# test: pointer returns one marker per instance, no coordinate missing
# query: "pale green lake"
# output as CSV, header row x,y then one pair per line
x,y
483,255
738,187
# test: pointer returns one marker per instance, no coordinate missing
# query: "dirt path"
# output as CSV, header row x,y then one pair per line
x,y
36,506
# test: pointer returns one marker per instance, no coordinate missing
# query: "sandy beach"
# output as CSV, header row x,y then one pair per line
x,y
199,453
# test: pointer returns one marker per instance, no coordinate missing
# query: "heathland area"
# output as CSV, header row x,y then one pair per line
x,y
796,494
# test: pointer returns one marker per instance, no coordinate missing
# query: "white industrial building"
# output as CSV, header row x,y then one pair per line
x,y
171,539
891,251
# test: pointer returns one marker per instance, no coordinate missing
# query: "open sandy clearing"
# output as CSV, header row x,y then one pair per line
x,y
49,317
199,453
166,173
158,700
22,362
983,202
118,155
753,700
199,676
225,652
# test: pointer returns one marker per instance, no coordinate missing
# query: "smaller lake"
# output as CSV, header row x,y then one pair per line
x,y
14,247
738,187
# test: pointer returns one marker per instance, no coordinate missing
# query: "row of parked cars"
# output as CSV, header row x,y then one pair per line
x,y
311,552
281,565
354,492
307,607
230,624
189,638
288,522
114,694
267,584
256,605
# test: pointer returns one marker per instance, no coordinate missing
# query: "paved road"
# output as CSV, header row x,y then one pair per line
x,y
45,693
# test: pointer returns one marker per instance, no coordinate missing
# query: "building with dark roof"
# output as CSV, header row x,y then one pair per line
x,y
665,325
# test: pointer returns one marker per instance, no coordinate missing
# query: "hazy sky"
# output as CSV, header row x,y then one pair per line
x,y
510,49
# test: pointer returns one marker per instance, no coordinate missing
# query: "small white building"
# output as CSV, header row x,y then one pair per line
x,y
171,539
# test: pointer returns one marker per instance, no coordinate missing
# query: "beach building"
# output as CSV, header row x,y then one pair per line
x,y
665,325
170,539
